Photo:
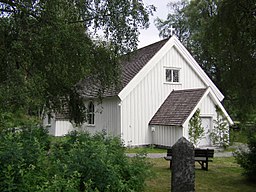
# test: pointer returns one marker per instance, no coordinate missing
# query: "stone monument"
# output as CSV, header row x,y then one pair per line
x,y
183,166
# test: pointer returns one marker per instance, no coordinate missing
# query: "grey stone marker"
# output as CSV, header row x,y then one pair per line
x,y
183,166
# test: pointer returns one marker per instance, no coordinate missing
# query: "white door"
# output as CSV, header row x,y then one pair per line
x,y
207,124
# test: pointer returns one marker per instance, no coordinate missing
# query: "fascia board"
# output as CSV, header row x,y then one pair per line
x,y
188,57
145,70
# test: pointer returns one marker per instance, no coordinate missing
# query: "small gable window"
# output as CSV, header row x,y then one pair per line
x,y
172,75
91,113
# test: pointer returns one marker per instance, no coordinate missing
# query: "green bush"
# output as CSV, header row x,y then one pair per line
x,y
21,153
247,158
17,119
100,163
80,162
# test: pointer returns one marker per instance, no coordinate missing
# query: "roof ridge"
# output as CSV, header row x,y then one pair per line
x,y
152,44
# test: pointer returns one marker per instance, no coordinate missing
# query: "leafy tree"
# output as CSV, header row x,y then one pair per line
x,y
195,130
221,37
46,47
175,19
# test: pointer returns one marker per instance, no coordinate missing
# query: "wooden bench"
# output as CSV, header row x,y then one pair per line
x,y
201,156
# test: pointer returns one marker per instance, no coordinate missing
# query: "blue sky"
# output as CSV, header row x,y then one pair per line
x,y
151,35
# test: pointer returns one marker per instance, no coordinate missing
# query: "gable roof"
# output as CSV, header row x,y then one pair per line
x,y
172,42
137,60
130,66
177,107
137,64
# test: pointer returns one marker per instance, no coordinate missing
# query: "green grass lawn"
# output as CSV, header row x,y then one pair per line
x,y
224,175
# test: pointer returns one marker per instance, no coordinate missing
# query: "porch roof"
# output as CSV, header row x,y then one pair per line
x,y
177,107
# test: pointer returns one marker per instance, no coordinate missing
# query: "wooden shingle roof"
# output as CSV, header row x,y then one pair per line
x,y
130,65
177,107
138,59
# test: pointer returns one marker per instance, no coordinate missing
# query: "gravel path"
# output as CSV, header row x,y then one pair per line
x,y
217,153
161,155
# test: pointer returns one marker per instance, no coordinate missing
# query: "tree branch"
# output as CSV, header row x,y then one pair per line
x,y
7,11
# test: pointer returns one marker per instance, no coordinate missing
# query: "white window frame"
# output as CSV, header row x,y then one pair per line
x,y
91,114
172,74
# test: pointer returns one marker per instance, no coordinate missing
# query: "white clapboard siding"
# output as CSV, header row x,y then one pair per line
x,y
49,124
139,106
107,117
166,135
51,127
62,127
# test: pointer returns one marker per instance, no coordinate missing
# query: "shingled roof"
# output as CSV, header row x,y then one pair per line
x,y
177,107
130,65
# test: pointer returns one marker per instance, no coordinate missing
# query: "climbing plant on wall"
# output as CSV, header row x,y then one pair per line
x,y
196,130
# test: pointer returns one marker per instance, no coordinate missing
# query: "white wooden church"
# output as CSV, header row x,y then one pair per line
x,y
162,87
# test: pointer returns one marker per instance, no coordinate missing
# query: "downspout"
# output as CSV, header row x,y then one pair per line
x,y
121,120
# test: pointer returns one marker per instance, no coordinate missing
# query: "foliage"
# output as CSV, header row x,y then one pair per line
x,y
247,158
195,130
221,35
78,162
15,120
46,47
175,19
220,133
100,162
237,134
22,153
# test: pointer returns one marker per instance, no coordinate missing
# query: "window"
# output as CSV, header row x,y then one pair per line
x,y
49,119
172,75
91,113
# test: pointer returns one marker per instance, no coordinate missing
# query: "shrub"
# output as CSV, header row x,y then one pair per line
x,y
99,162
247,158
79,162
13,120
21,154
